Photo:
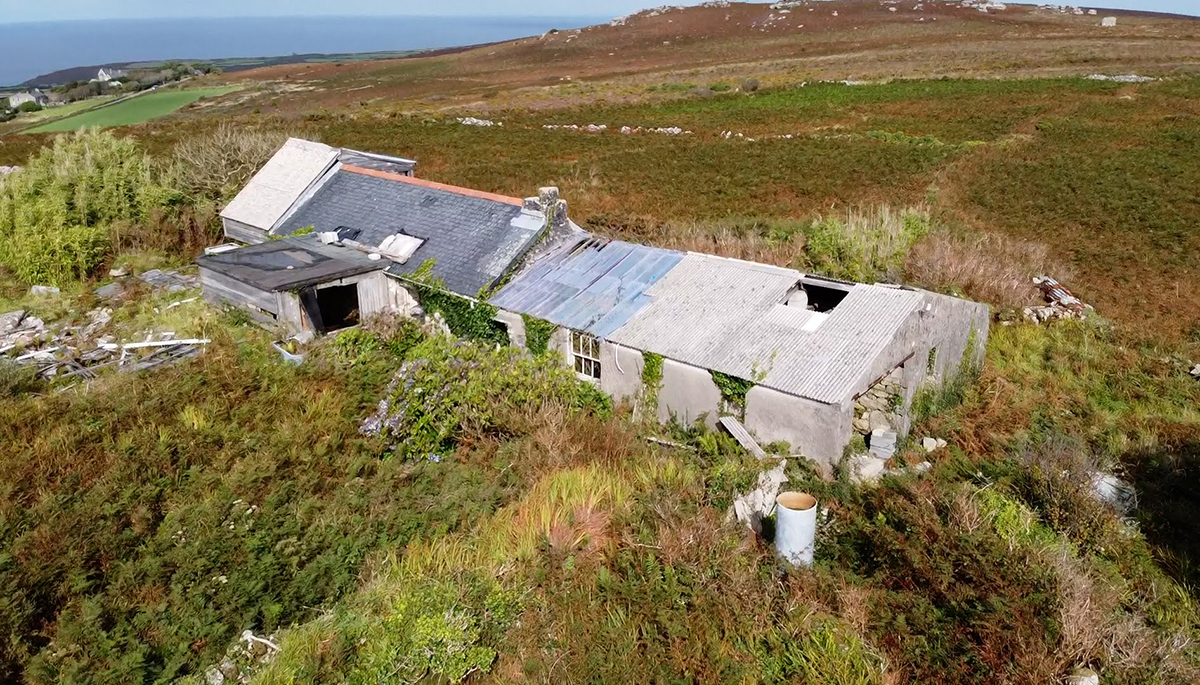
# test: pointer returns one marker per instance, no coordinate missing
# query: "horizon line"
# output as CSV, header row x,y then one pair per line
x,y
308,16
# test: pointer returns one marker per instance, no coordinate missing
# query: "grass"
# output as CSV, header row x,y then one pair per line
x,y
64,110
136,110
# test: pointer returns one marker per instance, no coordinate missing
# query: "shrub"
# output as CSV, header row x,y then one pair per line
x,y
55,215
865,245
215,166
448,384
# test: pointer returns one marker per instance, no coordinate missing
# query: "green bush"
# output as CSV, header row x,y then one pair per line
x,y
448,384
55,216
863,246
537,334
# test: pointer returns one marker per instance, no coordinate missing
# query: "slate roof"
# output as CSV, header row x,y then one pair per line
x,y
588,284
473,237
291,173
290,263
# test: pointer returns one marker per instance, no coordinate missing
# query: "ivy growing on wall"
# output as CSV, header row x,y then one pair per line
x,y
474,319
537,334
652,375
733,389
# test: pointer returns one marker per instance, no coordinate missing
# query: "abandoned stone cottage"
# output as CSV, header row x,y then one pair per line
x,y
336,233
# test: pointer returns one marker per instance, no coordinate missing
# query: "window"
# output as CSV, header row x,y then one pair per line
x,y
587,355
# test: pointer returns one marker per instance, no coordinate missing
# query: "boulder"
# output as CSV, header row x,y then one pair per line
x,y
929,444
43,290
1083,676
867,469
10,321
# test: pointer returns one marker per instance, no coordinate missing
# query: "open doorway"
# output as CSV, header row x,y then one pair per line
x,y
338,306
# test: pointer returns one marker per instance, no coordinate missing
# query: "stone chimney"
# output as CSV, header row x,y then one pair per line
x,y
548,203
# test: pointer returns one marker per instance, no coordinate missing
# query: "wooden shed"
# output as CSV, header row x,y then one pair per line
x,y
302,285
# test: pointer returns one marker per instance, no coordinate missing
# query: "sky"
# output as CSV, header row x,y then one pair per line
x,y
57,10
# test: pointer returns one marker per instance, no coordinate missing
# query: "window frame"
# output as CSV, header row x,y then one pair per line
x,y
585,356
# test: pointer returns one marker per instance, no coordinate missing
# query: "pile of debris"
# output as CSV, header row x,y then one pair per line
x,y
665,130
78,351
1060,303
1122,78
65,351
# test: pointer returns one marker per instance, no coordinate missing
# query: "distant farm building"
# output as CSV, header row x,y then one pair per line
x,y
107,74
340,235
35,95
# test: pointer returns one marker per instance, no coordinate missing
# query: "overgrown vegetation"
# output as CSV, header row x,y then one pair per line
x,y
537,334
473,319
497,521
733,391
59,215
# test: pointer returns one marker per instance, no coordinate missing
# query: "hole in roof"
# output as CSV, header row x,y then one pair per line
x,y
429,200
817,296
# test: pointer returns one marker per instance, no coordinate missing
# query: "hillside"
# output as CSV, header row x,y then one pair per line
x,y
228,516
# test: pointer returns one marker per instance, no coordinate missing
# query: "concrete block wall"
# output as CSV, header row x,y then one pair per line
x,y
814,430
688,394
620,371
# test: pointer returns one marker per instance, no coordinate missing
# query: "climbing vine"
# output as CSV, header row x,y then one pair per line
x,y
537,334
652,375
474,319
733,389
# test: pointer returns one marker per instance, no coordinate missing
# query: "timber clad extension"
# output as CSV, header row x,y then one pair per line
x,y
820,360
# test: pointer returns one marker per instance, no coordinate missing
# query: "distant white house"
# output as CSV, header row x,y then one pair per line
x,y
34,95
109,74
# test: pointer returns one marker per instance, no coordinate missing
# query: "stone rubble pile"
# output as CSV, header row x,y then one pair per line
x,y
1121,78
472,121
877,408
589,128
666,130
1060,303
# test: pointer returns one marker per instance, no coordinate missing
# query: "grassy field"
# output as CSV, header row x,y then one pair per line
x,y
136,110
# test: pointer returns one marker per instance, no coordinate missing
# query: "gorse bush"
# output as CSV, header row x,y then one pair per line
x,y
56,213
450,384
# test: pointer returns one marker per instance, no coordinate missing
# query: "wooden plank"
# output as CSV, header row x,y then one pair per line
x,y
739,433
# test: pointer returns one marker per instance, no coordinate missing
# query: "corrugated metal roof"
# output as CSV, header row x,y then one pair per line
x,y
728,315
284,178
589,283
698,308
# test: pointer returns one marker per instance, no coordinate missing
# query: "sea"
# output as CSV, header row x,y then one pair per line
x,y
28,50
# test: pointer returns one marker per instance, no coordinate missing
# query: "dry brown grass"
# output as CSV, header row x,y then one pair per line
x,y
736,238
991,267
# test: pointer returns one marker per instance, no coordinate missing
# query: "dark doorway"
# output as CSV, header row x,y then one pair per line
x,y
338,306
